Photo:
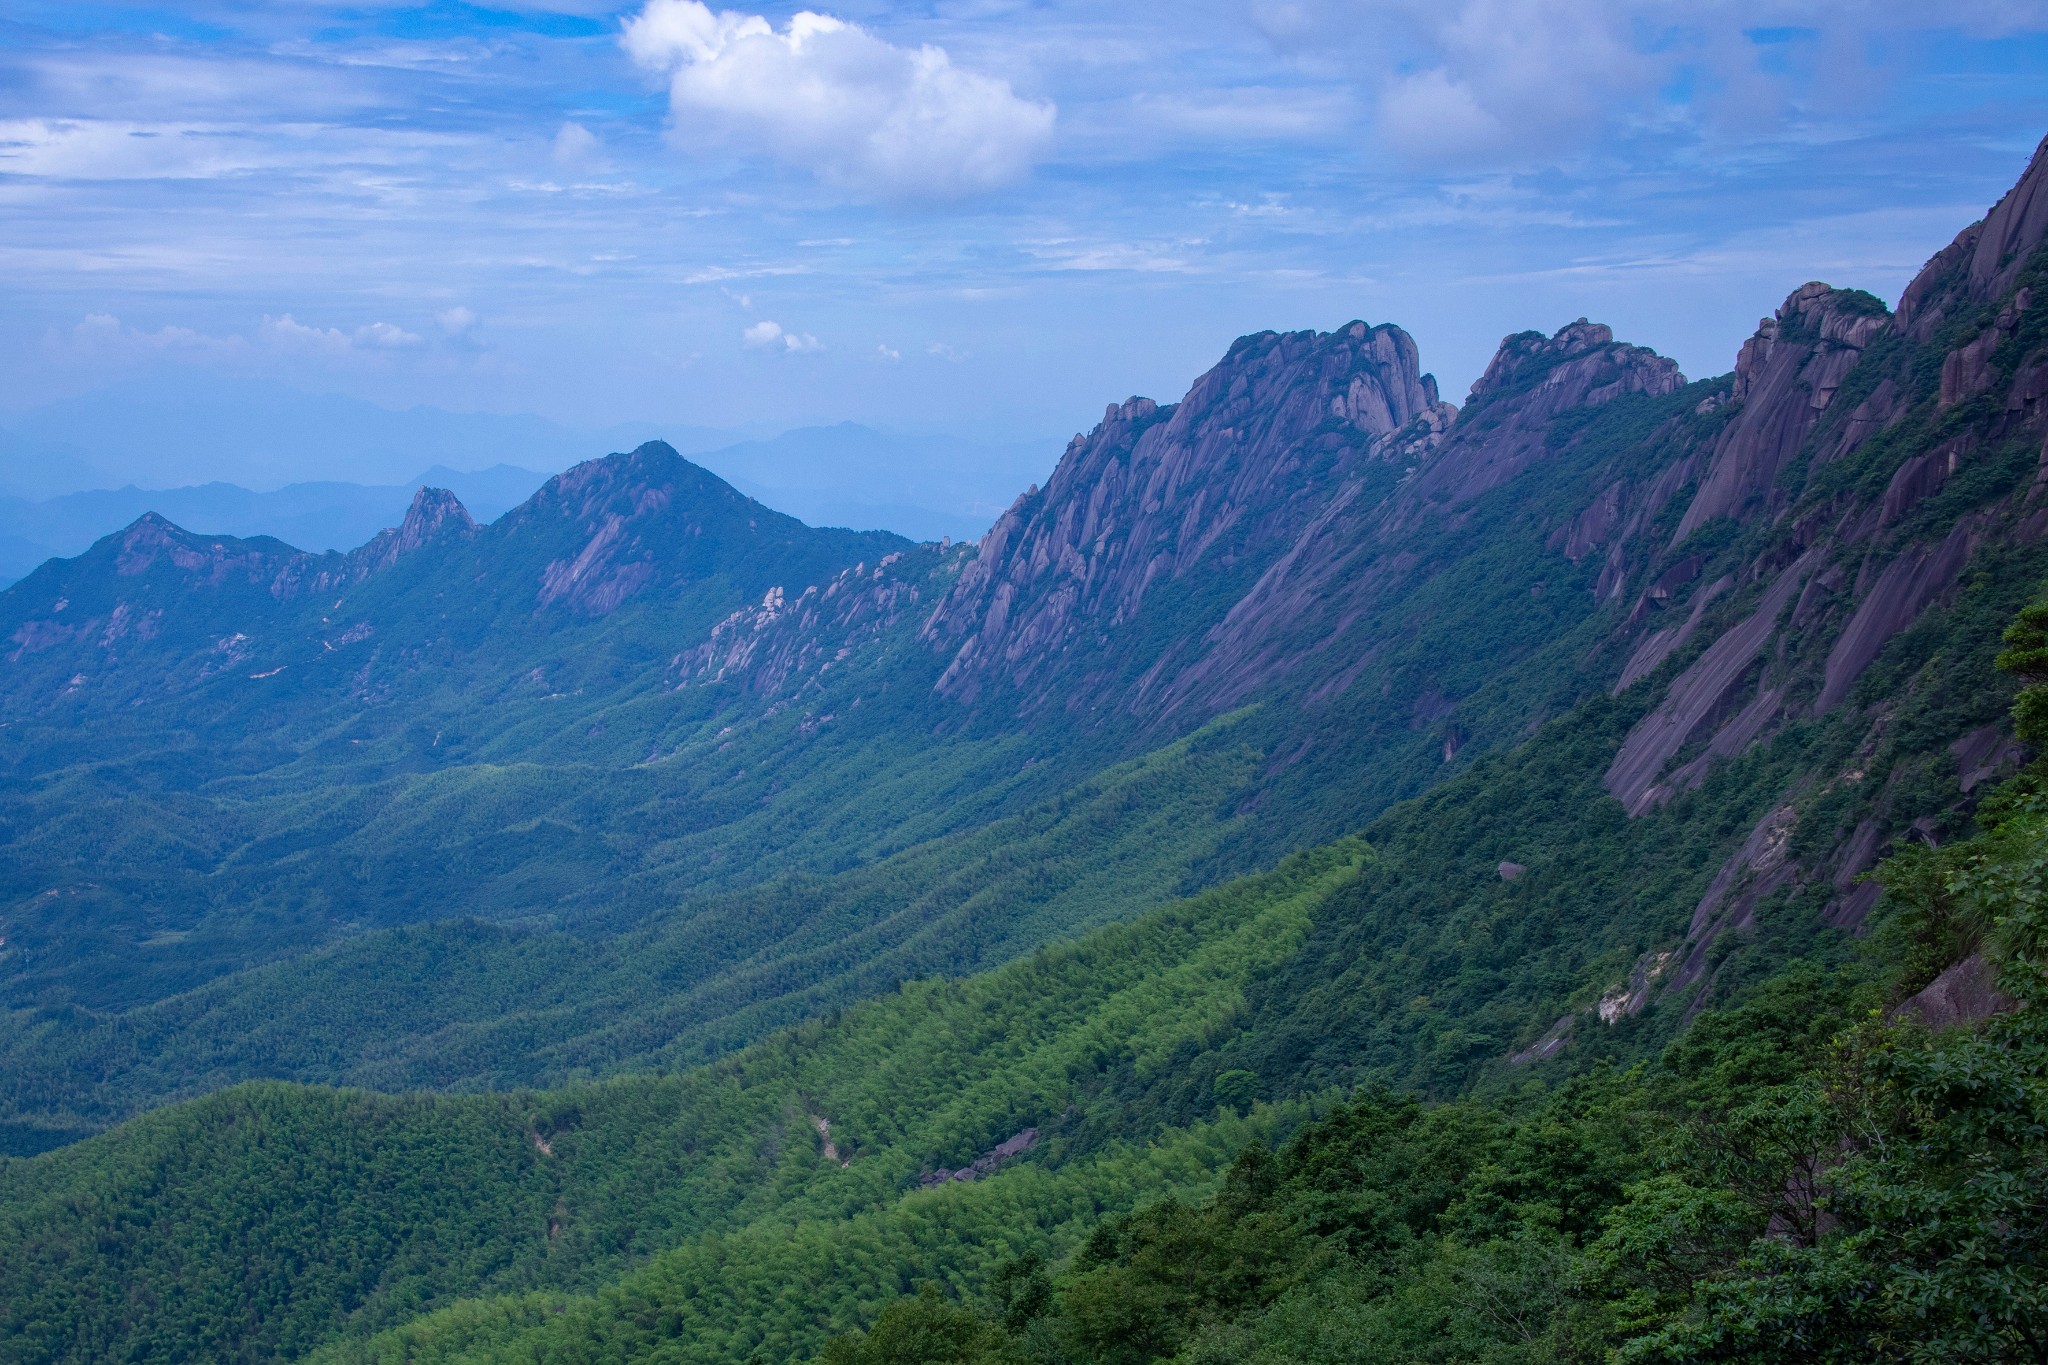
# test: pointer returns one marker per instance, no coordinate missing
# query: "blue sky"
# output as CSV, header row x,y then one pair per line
x,y
969,216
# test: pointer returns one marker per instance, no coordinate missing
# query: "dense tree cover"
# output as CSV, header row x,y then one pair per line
x,y
545,771
461,1004
153,1234
1806,1177
694,1217
657,875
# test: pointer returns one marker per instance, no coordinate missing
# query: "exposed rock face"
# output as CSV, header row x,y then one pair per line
x,y
1554,1040
1531,380
1760,868
1261,478
2012,230
611,502
1785,378
1253,453
1698,694
985,1163
781,642
209,561
1967,993
614,528
585,544
1912,580
436,516
1984,260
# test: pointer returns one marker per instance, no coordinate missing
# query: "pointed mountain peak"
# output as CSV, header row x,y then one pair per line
x,y
435,512
631,484
435,515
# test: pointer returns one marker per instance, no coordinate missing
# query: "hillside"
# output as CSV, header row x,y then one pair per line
x,y
1478,802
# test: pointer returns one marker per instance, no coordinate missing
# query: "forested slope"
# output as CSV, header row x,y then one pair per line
x,y
465,1003
1671,667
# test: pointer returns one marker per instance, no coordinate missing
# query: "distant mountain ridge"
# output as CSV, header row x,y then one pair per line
x,y
313,516
920,486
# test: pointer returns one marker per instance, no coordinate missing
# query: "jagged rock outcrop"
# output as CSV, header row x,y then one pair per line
x,y
1285,483
1531,380
1848,570
214,607
436,516
1785,377
1250,455
781,642
1985,259
984,1164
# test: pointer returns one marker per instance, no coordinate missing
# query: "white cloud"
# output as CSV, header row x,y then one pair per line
x,y
765,334
95,149
830,97
287,331
1499,81
103,334
577,148
884,351
385,336
456,321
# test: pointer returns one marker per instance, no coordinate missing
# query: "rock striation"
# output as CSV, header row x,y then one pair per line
x,y
1250,457
1285,485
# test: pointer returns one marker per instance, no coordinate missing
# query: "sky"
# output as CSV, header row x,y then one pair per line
x,y
972,216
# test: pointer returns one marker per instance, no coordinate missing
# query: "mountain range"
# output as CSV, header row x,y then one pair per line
x,y
53,503
1329,874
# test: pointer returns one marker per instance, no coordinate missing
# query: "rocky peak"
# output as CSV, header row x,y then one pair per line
x,y
609,509
435,515
1580,364
631,485
152,540
2012,231
1786,375
434,512
1223,478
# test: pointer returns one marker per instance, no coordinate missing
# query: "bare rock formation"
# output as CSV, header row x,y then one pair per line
x,y
1785,377
1966,993
1255,451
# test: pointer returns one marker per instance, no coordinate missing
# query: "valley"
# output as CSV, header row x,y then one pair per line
x,y
1557,877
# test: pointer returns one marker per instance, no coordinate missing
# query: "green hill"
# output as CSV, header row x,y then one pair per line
x,y
1328,877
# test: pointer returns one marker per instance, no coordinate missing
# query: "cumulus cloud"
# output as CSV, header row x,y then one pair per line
x,y
288,331
456,321
831,98
765,335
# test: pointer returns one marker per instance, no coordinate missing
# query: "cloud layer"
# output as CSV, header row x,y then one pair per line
x,y
831,98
